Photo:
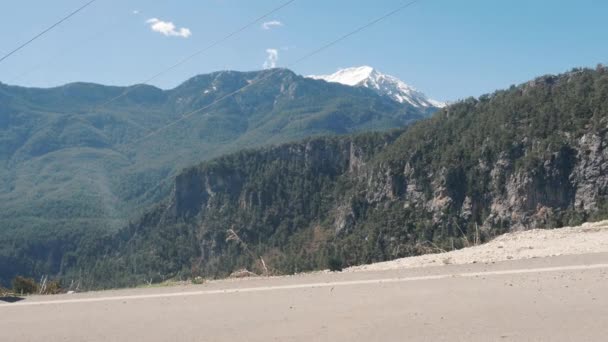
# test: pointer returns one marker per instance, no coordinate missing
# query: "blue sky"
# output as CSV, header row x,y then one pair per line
x,y
448,49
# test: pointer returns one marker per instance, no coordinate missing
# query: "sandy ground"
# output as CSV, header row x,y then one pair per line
x,y
560,298
539,285
537,243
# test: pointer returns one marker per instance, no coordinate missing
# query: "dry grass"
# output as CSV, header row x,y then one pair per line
x,y
233,236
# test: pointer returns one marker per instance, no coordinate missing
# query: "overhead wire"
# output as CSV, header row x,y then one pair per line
x,y
49,60
187,58
199,52
45,31
275,71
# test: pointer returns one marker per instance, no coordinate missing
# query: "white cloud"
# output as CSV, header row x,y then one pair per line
x,y
270,24
272,57
167,28
136,12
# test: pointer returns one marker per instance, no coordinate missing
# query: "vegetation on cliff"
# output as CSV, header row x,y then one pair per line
x,y
529,156
75,166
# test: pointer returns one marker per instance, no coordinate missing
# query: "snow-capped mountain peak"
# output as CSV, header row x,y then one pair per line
x,y
366,76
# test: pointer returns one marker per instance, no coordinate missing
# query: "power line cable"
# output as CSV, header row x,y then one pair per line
x,y
199,52
196,53
47,30
45,63
272,73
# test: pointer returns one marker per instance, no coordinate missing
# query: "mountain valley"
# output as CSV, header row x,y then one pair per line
x,y
527,157
81,160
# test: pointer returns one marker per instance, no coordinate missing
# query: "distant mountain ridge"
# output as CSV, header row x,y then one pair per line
x,y
74,166
530,156
387,85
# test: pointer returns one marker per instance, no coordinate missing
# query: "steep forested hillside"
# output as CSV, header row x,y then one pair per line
x,y
533,155
75,165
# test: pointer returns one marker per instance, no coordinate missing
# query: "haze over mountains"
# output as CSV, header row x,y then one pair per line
x,y
75,166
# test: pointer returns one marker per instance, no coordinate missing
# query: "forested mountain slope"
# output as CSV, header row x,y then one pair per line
x,y
78,161
530,156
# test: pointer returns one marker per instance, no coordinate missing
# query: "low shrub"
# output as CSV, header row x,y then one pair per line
x,y
335,264
198,280
23,285
52,287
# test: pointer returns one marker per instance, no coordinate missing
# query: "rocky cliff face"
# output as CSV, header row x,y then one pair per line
x,y
79,161
531,156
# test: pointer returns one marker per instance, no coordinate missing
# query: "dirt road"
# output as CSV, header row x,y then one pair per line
x,y
548,299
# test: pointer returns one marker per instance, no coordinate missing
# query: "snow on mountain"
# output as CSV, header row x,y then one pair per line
x,y
366,76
